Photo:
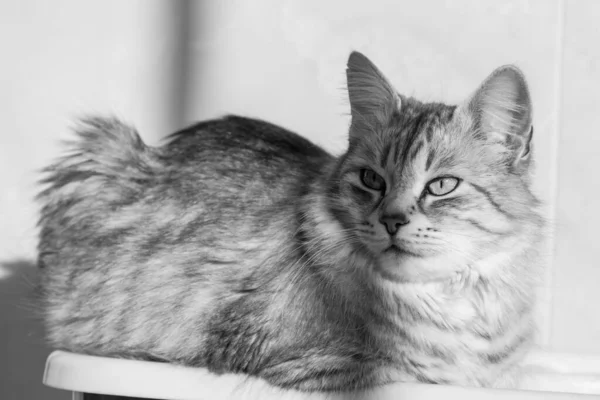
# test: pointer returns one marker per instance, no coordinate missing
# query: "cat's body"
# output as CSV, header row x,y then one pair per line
x,y
242,247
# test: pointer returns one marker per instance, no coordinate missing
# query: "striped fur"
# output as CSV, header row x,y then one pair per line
x,y
242,247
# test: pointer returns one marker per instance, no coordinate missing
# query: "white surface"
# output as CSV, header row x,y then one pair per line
x,y
80,373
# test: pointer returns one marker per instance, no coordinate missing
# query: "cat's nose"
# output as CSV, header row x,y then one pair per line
x,y
393,222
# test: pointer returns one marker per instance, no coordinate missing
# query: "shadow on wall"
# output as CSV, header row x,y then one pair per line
x,y
23,350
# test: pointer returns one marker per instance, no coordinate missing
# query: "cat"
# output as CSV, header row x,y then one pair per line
x,y
244,248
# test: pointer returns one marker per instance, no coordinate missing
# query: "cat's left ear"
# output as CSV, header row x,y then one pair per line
x,y
502,112
372,98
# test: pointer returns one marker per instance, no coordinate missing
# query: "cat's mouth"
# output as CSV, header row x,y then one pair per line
x,y
399,251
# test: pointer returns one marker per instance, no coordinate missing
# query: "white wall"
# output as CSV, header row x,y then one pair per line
x,y
575,285
65,58
284,61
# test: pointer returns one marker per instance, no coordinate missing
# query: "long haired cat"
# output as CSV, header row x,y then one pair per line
x,y
242,247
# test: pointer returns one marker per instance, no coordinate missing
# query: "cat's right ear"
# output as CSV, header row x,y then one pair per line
x,y
372,97
502,111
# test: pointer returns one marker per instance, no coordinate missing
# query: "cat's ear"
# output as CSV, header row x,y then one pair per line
x,y
372,97
502,111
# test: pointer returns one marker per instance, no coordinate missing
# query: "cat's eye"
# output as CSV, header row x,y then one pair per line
x,y
442,186
372,179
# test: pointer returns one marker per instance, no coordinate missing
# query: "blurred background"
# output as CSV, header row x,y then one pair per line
x,y
163,64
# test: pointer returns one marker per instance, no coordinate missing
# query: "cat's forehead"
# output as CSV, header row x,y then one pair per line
x,y
418,121
417,136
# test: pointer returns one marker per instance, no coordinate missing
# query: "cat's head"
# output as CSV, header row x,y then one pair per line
x,y
429,189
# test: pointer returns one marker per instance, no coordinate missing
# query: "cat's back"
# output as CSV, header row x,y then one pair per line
x,y
236,140
235,164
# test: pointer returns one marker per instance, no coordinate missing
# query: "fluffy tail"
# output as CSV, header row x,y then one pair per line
x,y
106,162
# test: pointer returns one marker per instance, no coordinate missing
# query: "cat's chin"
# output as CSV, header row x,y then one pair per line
x,y
402,265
